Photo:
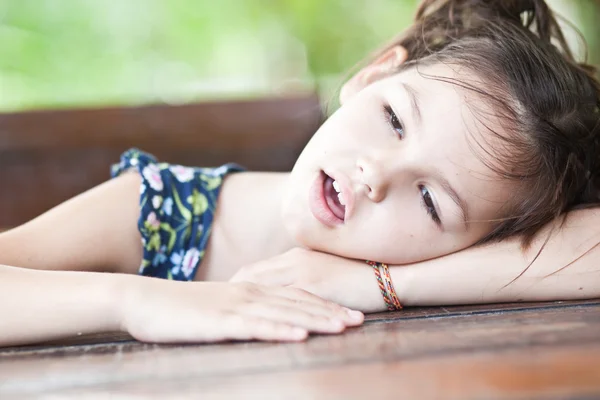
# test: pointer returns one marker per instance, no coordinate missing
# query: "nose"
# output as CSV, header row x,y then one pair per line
x,y
373,177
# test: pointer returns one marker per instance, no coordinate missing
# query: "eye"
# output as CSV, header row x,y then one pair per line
x,y
429,205
394,122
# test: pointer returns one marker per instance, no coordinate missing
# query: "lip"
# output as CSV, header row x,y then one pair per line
x,y
318,203
346,189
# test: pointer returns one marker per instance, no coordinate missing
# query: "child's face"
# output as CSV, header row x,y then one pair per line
x,y
412,186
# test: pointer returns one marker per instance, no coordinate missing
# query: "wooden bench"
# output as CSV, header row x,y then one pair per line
x,y
47,157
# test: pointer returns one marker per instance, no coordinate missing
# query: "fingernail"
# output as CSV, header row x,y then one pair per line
x,y
356,315
299,333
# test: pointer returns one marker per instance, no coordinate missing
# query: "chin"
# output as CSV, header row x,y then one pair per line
x,y
304,235
294,223
299,228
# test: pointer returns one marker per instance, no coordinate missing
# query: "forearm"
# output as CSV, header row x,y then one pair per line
x,y
43,305
486,274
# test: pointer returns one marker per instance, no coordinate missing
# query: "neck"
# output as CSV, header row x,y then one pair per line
x,y
248,226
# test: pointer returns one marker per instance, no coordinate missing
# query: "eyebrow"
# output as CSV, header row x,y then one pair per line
x,y
462,205
414,100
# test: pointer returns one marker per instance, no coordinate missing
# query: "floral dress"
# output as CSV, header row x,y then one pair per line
x,y
177,208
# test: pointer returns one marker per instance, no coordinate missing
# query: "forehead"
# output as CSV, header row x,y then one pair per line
x,y
450,123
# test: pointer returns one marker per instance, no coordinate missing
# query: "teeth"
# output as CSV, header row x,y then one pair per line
x,y
336,186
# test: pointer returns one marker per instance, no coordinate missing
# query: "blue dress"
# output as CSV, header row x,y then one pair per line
x,y
177,208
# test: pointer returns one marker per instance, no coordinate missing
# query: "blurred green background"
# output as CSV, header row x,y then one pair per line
x,y
83,53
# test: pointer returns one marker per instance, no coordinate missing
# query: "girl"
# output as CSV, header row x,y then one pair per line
x,y
469,132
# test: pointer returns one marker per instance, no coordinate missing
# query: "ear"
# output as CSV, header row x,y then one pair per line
x,y
378,69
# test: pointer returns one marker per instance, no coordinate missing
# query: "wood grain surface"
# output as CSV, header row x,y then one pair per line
x,y
524,351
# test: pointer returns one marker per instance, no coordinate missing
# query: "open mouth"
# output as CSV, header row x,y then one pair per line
x,y
326,201
334,197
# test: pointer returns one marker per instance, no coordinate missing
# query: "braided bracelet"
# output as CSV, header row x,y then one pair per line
x,y
385,285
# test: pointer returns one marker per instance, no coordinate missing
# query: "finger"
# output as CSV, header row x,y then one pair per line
x,y
304,316
220,326
248,327
301,298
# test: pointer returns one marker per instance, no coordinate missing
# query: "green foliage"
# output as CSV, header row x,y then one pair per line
x,y
65,53
589,12
72,53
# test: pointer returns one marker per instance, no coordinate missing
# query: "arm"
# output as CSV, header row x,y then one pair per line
x,y
45,305
95,231
481,274
486,274
38,306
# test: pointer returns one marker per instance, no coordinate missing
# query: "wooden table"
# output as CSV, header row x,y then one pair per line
x,y
526,351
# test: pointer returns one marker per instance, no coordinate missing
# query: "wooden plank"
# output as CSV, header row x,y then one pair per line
x,y
47,157
448,311
419,344
407,313
563,372
212,125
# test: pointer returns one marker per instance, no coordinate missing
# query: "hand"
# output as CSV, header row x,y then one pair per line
x,y
167,311
347,282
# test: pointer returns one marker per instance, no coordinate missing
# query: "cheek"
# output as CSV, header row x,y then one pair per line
x,y
393,233
399,237
400,234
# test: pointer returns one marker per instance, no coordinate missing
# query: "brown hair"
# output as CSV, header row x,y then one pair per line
x,y
547,103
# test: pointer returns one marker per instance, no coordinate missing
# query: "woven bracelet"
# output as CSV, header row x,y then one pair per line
x,y
385,285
